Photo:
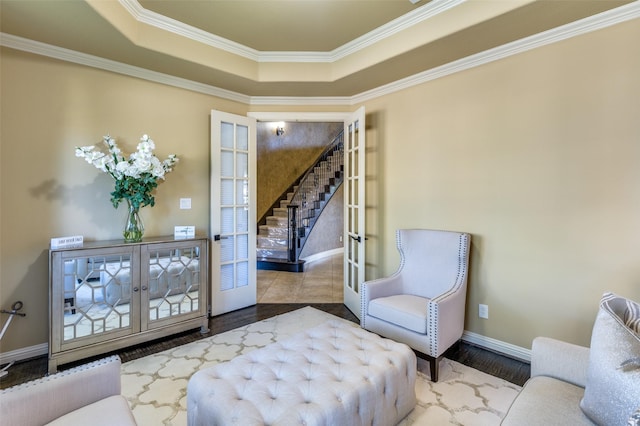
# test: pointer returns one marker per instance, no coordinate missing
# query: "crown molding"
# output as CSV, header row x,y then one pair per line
x,y
574,29
584,26
154,19
43,49
389,29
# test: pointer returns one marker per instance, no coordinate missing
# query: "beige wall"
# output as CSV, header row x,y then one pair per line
x,y
284,159
48,108
328,230
536,155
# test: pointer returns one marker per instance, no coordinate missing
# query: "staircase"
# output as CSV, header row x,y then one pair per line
x,y
272,237
282,237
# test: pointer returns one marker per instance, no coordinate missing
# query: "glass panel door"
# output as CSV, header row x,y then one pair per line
x,y
233,195
354,215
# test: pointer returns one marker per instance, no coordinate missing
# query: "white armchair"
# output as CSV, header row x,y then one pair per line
x,y
423,303
85,395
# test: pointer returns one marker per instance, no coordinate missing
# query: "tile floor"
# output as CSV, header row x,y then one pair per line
x,y
321,282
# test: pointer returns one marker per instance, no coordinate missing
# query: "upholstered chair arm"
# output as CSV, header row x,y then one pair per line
x,y
560,360
41,401
382,287
445,320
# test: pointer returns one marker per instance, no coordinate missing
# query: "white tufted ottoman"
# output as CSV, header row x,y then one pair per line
x,y
334,374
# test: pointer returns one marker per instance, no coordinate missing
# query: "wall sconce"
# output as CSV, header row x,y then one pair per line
x,y
280,128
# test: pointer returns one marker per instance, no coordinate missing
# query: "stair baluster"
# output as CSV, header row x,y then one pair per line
x,y
292,235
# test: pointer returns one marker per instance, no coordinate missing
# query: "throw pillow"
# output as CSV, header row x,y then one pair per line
x,y
632,316
612,392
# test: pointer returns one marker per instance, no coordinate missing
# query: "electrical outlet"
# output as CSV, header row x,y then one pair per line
x,y
483,311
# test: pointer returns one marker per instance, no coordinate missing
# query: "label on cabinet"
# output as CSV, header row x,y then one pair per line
x,y
184,232
67,242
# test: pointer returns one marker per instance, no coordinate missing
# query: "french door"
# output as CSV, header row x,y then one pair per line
x,y
233,212
354,209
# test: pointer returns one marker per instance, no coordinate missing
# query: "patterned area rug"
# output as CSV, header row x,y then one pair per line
x,y
156,385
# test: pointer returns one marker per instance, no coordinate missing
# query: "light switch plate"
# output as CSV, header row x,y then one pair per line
x,y
185,203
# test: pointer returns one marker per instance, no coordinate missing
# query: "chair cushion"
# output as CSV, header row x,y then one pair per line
x,y
547,401
113,410
405,310
612,393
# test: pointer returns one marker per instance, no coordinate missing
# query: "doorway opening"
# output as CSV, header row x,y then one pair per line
x,y
287,144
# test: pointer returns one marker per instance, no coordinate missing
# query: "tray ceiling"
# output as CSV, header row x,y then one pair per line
x,y
288,48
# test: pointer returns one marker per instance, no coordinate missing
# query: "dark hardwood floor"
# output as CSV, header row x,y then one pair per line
x,y
489,362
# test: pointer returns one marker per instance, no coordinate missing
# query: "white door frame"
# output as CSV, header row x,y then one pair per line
x,y
301,116
307,117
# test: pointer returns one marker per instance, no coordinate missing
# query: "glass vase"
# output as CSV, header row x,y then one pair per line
x,y
133,229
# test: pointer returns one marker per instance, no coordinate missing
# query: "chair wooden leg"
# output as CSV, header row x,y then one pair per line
x,y
433,366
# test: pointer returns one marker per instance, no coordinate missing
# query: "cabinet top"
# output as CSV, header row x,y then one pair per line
x,y
115,243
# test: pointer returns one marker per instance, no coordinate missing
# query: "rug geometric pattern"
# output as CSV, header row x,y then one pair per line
x,y
156,385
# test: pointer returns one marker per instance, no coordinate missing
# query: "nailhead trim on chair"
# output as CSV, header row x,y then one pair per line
x,y
461,274
61,374
431,344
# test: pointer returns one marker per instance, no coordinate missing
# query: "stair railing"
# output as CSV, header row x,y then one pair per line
x,y
308,200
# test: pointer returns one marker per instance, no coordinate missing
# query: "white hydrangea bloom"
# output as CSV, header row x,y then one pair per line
x,y
142,162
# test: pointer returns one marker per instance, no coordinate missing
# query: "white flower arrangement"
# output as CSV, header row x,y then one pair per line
x,y
135,177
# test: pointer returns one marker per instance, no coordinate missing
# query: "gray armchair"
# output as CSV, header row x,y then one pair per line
x,y
423,303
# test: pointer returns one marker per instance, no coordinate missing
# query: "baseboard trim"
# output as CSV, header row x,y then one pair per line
x,y
499,346
494,345
323,255
24,353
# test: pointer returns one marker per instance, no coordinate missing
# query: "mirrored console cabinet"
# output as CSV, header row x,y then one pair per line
x,y
108,295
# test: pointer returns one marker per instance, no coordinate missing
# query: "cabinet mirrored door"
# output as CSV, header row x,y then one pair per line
x,y
171,275
109,295
97,295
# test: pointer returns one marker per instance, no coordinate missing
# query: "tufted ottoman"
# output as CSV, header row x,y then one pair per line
x,y
333,374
